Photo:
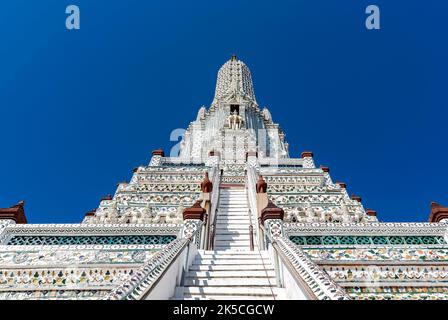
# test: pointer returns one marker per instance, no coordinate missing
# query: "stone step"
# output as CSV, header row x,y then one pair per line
x,y
230,291
226,202
223,232
231,197
241,196
227,237
242,227
239,210
252,253
233,202
232,186
229,282
225,214
222,247
230,243
233,227
224,196
233,207
234,248
242,247
233,257
231,215
223,241
229,227
232,222
217,233
222,224
228,267
242,216
230,256
231,274
224,219
226,261
218,297
233,192
239,217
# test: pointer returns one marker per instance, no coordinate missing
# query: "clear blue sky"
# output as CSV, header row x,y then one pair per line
x,y
80,109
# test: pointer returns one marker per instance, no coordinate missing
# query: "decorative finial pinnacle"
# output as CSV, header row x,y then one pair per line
x,y
233,58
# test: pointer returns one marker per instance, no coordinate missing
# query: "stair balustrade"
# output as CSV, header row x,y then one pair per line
x,y
159,276
251,181
309,281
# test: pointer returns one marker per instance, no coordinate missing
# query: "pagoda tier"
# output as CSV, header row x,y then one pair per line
x,y
222,138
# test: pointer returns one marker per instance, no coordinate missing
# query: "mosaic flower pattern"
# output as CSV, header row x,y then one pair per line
x,y
378,254
67,257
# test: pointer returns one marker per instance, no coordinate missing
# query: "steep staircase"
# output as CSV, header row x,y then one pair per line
x,y
231,271
237,275
232,221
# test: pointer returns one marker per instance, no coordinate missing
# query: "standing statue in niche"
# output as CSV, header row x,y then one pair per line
x,y
235,121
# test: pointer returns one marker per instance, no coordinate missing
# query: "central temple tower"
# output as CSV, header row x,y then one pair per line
x,y
234,124
241,141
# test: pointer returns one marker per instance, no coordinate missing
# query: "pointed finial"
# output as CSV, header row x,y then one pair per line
x,y
233,58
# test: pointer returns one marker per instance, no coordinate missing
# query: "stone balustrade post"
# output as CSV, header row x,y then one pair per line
x,y
15,213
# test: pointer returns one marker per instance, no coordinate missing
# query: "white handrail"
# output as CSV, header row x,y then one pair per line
x,y
216,176
216,181
251,181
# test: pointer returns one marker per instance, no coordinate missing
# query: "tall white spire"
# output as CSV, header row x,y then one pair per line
x,y
234,82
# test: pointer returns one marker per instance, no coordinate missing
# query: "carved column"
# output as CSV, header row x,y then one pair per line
x,y
194,218
438,213
262,196
252,158
271,212
157,156
15,213
308,161
272,219
206,195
